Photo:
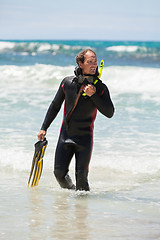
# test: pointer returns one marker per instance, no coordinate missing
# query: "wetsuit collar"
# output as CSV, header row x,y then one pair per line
x,y
85,78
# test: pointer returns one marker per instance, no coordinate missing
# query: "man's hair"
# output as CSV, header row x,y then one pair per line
x,y
80,56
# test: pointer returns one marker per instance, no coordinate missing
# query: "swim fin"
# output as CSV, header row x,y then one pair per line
x,y
37,162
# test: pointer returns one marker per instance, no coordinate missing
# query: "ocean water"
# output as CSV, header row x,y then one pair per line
x,y
124,176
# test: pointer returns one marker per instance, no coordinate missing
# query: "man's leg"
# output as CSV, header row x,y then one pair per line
x,y
83,155
63,156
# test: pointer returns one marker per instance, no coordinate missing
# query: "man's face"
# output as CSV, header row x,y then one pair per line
x,y
90,63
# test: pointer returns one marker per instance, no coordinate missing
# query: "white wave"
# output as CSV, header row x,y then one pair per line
x,y
30,76
30,47
118,79
133,162
6,45
44,47
15,159
125,48
55,47
49,47
66,47
24,53
36,47
132,79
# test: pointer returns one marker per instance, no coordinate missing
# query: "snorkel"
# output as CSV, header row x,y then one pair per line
x,y
101,68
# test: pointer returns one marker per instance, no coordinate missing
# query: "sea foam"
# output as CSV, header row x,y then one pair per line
x,y
118,79
130,48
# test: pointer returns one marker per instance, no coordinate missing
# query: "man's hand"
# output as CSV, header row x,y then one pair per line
x,y
89,90
41,135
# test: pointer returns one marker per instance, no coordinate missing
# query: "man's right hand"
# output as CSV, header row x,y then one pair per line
x,y
41,135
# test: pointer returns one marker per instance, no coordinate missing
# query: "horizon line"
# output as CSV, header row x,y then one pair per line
x,y
92,40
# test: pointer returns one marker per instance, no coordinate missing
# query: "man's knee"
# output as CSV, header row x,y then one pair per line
x,y
64,179
59,174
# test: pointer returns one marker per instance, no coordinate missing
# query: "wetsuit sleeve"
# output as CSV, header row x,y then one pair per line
x,y
54,108
103,102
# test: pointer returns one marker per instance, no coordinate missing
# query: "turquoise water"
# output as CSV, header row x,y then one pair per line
x,y
124,201
62,53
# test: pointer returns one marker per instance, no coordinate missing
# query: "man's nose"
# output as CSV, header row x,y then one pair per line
x,y
94,64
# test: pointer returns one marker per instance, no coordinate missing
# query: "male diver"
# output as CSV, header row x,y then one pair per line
x,y
83,94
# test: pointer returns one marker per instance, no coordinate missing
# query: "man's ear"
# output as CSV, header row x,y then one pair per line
x,y
80,64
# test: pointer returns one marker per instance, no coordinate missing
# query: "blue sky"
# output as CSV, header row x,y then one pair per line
x,y
82,19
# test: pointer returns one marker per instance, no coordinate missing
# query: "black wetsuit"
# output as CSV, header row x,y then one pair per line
x,y
76,135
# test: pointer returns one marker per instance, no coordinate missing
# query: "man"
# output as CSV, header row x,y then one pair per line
x,y
83,93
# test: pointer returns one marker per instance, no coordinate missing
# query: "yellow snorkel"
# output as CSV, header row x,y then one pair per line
x,y
101,68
